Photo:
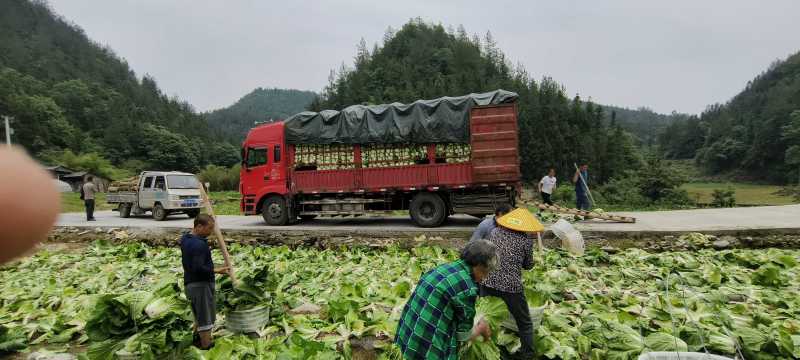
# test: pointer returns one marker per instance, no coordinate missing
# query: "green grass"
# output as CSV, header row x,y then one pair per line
x,y
225,202
71,202
746,194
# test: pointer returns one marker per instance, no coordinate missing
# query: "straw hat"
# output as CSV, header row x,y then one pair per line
x,y
520,220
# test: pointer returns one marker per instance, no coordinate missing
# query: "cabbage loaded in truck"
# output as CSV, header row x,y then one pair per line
x,y
433,158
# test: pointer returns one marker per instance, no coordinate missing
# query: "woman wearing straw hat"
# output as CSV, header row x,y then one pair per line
x,y
514,253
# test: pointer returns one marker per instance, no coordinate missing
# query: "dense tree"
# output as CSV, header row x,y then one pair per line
x,y
260,105
222,154
168,150
40,122
654,184
791,134
748,135
91,162
682,138
221,178
68,93
424,61
644,123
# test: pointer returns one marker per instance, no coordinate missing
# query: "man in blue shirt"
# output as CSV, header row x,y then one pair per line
x,y
487,225
198,277
581,187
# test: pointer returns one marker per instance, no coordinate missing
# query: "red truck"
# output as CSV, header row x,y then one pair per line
x,y
287,173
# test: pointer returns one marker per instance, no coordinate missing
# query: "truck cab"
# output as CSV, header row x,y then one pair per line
x,y
264,175
161,193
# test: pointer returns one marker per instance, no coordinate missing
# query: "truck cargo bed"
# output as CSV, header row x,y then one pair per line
x,y
495,160
415,177
121,198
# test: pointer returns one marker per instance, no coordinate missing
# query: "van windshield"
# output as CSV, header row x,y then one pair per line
x,y
182,182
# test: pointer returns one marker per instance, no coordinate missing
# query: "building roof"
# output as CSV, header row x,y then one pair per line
x,y
59,169
81,174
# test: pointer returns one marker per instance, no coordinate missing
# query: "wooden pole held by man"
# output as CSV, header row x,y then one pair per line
x,y
585,183
218,234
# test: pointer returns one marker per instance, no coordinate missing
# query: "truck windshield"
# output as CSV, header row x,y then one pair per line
x,y
182,182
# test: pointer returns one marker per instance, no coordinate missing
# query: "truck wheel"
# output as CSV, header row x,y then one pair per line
x,y
307,217
125,211
193,213
428,210
274,211
159,214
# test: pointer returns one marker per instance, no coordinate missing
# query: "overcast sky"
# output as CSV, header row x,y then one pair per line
x,y
666,55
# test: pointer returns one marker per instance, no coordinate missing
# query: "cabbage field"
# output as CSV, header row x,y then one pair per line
x,y
108,301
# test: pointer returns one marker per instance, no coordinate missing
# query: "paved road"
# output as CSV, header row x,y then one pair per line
x,y
760,217
764,217
236,222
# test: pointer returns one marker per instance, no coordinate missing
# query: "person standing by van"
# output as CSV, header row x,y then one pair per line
x,y
87,194
547,185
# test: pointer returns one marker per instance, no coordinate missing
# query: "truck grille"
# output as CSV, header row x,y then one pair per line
x,y
188,197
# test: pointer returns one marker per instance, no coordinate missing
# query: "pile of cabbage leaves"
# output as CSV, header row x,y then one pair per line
x,y
107,301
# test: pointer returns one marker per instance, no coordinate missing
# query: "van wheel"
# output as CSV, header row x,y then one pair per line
x,y
125,211
428,210
159,214
274,211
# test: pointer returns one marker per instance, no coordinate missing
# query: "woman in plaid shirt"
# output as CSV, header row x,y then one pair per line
x,y
441,311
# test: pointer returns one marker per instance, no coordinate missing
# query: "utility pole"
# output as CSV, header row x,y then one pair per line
x,y
8,130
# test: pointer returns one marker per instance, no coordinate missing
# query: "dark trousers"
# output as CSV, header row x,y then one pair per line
x,y
546,198
582,201
518,307
89,204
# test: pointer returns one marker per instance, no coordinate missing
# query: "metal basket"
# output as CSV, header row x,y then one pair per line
x,y
247,321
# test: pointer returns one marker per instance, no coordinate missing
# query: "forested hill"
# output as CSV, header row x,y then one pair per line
x,y
756,134
260,105
69,93
643,123
424,61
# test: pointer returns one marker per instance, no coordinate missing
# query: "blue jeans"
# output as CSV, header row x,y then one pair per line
x,y
582,201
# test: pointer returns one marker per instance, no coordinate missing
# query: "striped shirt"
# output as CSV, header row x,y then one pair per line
x,y
439,313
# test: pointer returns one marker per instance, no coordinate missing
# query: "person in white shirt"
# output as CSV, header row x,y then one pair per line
x,y
546,186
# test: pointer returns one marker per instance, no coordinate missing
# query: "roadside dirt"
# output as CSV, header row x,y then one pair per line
x,y
69,237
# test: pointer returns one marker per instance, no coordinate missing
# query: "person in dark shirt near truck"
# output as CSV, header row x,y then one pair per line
x,y
581,187
198,277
